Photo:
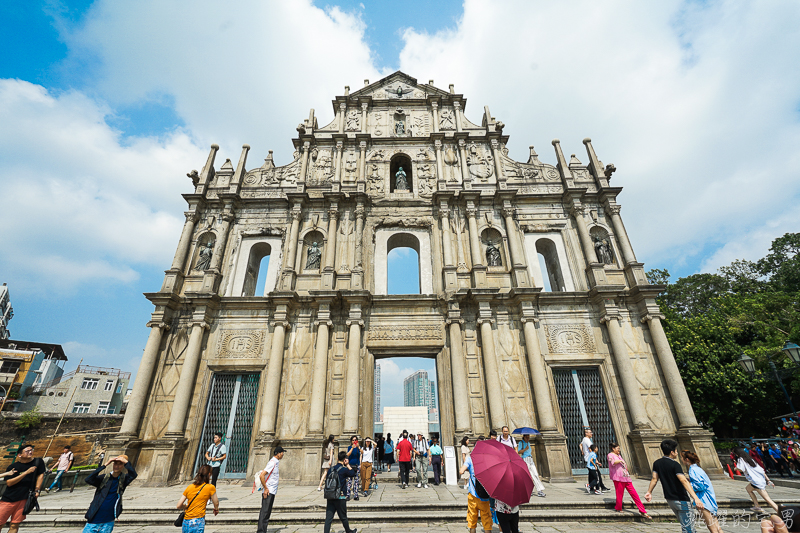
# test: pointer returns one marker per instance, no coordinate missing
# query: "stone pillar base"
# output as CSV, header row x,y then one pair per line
x,y
302,463
159,461
211,279
700,441
646,448
450,278
556,467
521,278
327,278
122,444
173,281
634,272
479,276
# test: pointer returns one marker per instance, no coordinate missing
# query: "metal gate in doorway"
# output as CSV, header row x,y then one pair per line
x,y
582,402
231,410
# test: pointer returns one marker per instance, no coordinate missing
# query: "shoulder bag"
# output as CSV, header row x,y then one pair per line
x,y
179,520
32,503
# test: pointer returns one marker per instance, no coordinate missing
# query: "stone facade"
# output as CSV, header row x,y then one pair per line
x,y
491,234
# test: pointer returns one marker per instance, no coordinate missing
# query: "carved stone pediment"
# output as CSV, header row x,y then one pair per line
x,y
570,338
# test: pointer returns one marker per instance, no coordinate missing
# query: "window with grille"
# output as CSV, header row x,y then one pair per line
x,y
10,367
102,408
109,385
90,383
81,407
119,388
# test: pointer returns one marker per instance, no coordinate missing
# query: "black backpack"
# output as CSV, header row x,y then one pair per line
x,y
480,490
333,488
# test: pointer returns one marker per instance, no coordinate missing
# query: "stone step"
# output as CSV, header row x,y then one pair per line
x,y
356,517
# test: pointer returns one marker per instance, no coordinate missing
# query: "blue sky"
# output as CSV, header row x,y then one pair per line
x,y
107,105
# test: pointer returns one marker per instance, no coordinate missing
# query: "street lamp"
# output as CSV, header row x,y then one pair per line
x,y
792,350
749,366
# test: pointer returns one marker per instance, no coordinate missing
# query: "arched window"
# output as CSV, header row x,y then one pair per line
x,y
400,160
551,267
493,253
403,264
257,266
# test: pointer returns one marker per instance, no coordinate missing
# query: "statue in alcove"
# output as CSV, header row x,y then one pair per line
x,y
605,254
204,261
400,182
314,256
400,128
493,258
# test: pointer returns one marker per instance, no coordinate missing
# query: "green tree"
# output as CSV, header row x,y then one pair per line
x,y
30,419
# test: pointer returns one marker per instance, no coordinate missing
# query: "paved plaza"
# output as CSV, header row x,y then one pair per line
x,y
390,509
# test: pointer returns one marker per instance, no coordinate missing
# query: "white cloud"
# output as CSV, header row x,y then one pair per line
x,y
79,204
246,72
392,377
695,103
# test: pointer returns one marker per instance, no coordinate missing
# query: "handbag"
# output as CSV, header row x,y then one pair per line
x,y
179,520
33,501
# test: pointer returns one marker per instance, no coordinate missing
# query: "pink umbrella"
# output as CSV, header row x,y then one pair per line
x,y
502,472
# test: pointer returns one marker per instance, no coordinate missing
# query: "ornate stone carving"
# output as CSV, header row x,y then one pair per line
x,y
479,163
563,338
405,222
374,181
604,250
240,343
447,120
407,332
353,121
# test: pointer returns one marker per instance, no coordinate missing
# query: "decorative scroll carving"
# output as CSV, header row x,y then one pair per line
x,y
407,222
447,120
480,163
240,343
563,338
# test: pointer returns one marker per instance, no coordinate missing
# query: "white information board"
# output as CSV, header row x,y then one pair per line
x,y
450,467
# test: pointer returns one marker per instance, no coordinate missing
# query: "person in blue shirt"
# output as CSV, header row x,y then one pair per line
x,y
436,460
701,485
594,470
339,506
354,458
524,450
780,461
475,504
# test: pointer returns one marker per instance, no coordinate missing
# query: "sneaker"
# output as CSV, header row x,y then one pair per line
x,y
57,489
596,492
540,494
419,485
588,490
426,485
319,489
47,490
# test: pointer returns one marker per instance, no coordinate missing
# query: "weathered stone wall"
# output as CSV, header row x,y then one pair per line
x,y
86,434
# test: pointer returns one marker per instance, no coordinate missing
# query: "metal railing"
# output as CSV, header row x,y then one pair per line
x,y
82,369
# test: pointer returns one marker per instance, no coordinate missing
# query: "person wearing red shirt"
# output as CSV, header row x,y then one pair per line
x,y
404,448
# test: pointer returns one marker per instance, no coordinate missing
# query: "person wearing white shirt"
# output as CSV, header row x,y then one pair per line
x,y
585,444
507,439
269,480
367,457
215,454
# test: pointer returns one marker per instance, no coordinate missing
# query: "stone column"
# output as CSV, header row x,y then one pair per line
x,y
541,390
320,372
144,377
362,160
498,164
341,116
291,253
517,256
677,390
583,233
358,270
439,168
458,365
435,109
330,252
179,262
186,382
630,385
353,378
462,154
304,162
474,238
272,388
621,233
494,390
337,165
364,107
459,115
447,243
